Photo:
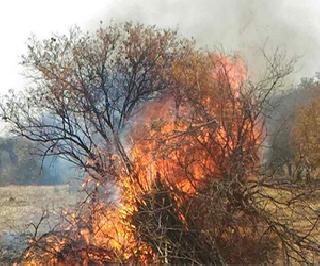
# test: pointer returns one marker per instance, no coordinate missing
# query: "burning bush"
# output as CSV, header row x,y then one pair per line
x,y
170,137
193,160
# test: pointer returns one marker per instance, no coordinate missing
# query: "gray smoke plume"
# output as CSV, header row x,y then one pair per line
x,y
243,26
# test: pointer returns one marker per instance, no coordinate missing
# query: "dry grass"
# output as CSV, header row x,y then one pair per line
x,y
22,205
298,209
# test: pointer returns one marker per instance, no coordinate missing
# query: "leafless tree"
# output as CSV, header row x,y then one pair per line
x,y
85,87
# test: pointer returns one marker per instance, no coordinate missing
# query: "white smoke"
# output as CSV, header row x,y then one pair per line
x,y
243,26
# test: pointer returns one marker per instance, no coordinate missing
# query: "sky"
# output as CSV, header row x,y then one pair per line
x,y
242,26
19,19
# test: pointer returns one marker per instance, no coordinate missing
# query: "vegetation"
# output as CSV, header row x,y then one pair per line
x,y
20,164
169,136
288,119
17,166
20,207
305,136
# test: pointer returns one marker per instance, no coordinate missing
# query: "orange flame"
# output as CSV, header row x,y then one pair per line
x,y
176,149
184,144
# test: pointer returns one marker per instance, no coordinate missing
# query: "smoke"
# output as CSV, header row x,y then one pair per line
x,y
59,171
241,26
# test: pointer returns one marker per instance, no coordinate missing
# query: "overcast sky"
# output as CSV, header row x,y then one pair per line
x,y
237,25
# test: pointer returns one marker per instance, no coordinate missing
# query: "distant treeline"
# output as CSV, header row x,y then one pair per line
x,y
19,165
285,146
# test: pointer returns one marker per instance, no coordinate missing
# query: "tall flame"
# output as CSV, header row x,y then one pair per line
x,y
184,139
184,149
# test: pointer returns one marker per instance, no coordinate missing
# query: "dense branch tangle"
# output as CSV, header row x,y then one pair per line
x,y
174,130
86,88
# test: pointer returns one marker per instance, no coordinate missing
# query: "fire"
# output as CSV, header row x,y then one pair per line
x,y
164,142
174,149
179,151
186,139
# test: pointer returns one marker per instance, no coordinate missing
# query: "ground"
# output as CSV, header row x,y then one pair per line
x,y
22,205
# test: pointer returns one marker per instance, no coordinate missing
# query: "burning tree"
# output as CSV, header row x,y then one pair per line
x,y
170,138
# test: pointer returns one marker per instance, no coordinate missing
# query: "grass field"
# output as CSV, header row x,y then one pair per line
x,y
22,205
297,209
